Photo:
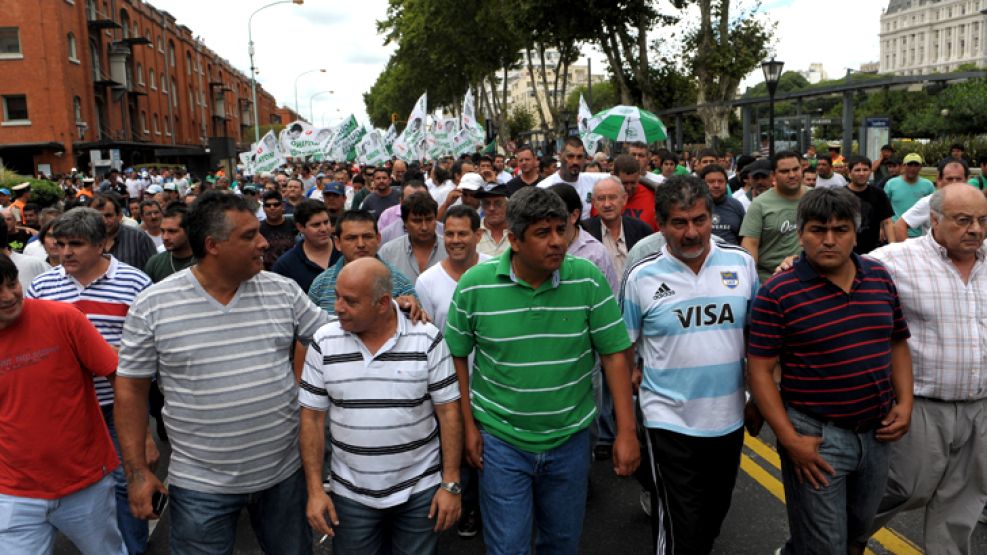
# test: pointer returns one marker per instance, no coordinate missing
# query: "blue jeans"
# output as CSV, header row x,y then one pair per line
x,y
404,529
86,517
604,428
827,520
133,529
519,489
205,523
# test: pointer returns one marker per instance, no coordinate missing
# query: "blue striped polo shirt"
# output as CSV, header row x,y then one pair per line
x,y
834,346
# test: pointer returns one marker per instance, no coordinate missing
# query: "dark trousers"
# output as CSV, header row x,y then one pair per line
x,y
694,479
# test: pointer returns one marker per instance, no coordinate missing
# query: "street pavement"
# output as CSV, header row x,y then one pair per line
x,y
615,523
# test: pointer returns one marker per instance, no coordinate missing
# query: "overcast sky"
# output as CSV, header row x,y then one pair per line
x,y
342,38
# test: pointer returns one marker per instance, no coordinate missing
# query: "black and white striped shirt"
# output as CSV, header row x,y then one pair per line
x,y
385,438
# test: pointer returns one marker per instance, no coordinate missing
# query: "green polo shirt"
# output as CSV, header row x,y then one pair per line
x,y
532,378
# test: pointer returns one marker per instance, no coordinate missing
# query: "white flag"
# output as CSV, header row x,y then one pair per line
x,y
591,141
371,149
301,140
267,155
415,130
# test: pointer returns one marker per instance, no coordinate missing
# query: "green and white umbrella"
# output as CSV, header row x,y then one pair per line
x,y
628,124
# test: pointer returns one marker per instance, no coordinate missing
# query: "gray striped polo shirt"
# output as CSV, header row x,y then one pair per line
x,y
231,401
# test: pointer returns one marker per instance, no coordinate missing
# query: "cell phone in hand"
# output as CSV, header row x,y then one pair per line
x,y
158,502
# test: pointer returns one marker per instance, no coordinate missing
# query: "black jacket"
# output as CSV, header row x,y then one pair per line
x,y
634,229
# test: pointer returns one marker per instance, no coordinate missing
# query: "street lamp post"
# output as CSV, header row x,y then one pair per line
x,y
772,73
297,108
250,51
311,109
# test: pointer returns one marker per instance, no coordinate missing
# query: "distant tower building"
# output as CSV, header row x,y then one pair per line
x,y
932,36
814,74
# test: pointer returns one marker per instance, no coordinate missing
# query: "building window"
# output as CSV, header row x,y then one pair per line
x,y
73,49
171,53
160,44
10,43
125,24
174,97
15,109
150,77
140,74
90,10
154,122
94,55
164,83
77,108
188,62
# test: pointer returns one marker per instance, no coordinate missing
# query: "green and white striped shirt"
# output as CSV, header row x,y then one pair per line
x,y
532,378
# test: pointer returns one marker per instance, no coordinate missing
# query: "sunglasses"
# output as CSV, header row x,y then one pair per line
x,y
272,205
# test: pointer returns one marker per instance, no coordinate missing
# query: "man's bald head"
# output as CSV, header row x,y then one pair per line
x,y
363,296
959,220
369,275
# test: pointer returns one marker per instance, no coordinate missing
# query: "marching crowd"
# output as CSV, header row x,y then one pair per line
x,y
378,354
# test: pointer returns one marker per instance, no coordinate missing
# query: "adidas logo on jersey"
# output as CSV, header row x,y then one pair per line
x,y
663,291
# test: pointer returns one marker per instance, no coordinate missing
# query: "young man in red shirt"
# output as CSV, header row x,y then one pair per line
x,y
640,198
56,457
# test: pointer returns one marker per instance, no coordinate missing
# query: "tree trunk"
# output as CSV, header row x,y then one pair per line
x,y
531,77
610,49
643,79
716,121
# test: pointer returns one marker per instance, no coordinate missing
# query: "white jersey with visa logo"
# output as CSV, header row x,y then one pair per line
x,y
689,329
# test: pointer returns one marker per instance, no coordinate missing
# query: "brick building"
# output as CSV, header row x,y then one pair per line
x,y
85,80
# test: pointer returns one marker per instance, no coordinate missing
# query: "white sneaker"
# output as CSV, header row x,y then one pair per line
x,y
645,499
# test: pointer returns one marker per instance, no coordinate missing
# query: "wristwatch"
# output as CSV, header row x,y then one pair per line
x,y
452,487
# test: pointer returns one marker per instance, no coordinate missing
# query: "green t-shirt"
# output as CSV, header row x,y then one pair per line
x,y
904,195
771,219
163,265
532,377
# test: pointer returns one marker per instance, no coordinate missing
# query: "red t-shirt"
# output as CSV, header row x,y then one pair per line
x,y
53,441
641,205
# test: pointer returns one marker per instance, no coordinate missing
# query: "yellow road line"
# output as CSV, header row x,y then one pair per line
x,y
890,539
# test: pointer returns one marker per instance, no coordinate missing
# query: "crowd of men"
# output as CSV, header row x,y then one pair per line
x,y
375,355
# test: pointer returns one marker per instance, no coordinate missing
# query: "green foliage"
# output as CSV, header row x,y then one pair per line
x,y
520,120
934,151
789,81
443,47
44,193
604,96
959,108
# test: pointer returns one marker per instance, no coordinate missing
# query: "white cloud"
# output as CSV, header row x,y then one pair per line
x,y
839,34
288,40
342,38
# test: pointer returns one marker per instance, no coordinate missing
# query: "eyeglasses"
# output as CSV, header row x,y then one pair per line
x,y
966,221
272,205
